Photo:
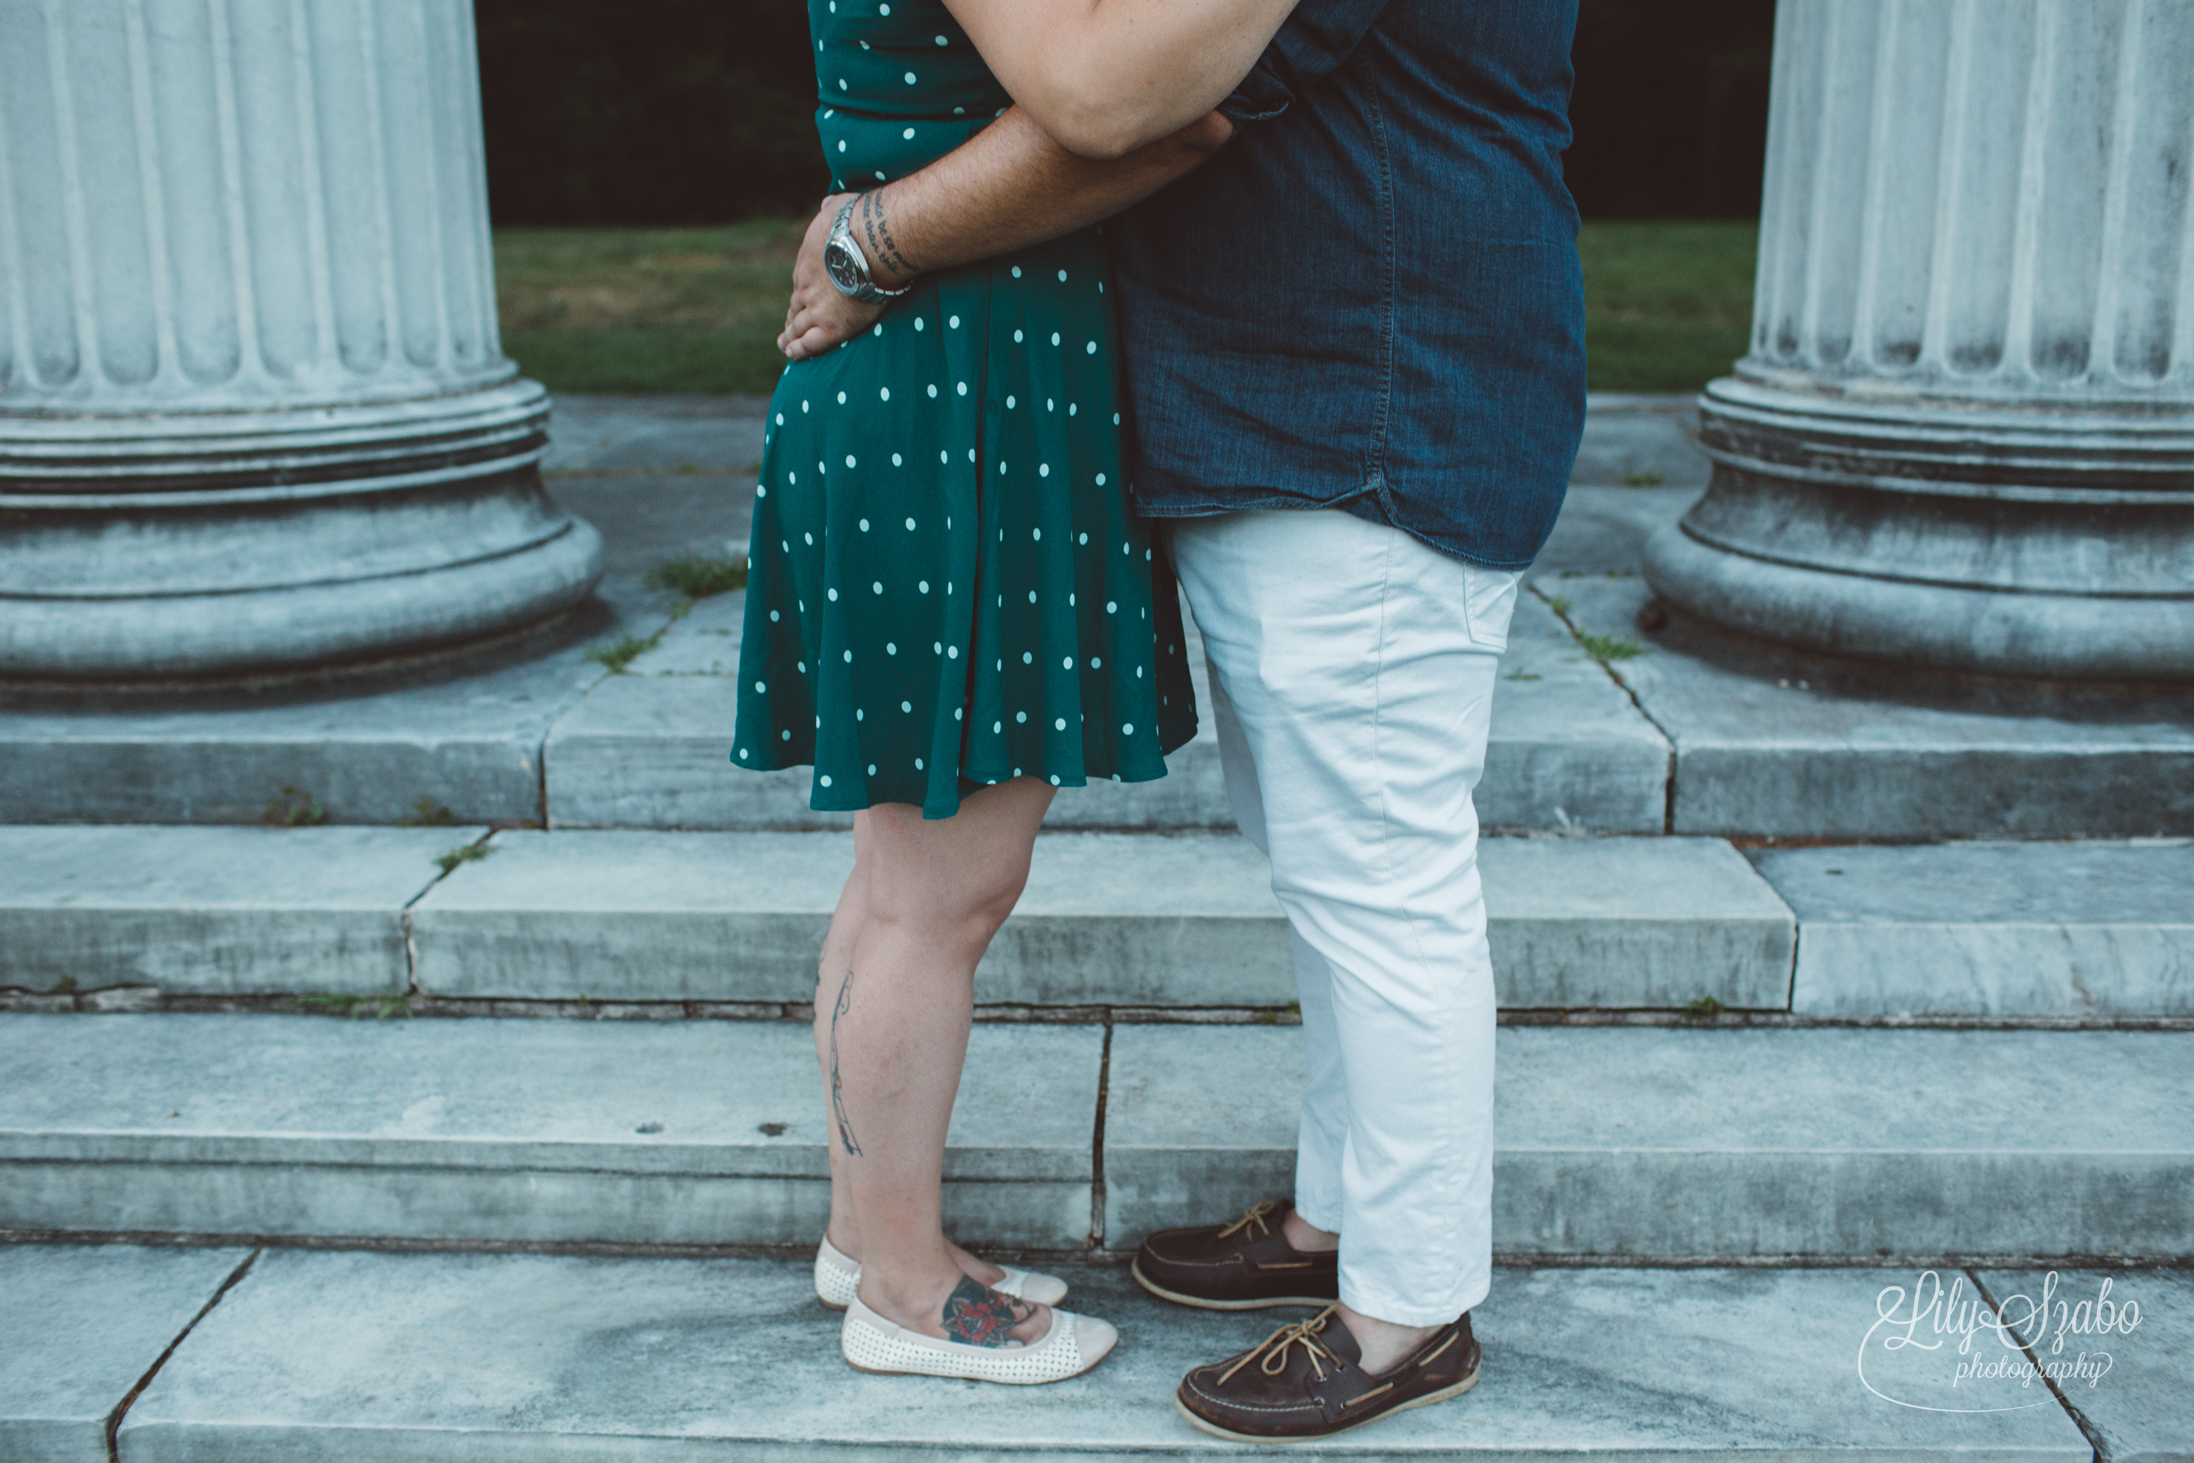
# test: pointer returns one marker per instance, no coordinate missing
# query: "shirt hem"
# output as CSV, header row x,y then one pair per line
x,y
1206,508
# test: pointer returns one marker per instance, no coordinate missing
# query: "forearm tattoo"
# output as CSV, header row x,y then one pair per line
x,y
837,1087
876,233
979,1316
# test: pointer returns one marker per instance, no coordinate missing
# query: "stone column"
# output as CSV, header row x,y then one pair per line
x,y
254,412
1964,435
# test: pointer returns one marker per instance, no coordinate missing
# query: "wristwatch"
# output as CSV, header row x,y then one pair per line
x,y
847,266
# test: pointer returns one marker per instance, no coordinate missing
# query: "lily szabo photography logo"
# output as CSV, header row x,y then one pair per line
x,y
1944,1348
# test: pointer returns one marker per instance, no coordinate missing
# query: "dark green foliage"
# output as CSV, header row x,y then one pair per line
x,y
702,111
666,112
1670,108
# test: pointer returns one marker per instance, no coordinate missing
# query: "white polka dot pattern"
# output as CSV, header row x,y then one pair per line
x,y
1025,497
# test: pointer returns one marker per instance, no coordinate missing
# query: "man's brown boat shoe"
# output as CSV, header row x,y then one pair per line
x,y
1303,1382
1241,1266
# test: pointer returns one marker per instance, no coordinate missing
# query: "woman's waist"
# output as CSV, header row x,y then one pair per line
x,y
862,149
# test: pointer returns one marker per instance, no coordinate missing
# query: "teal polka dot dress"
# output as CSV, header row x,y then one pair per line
x,y
946,587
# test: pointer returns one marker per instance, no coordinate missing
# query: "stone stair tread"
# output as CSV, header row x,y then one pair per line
x,y
1645,1140
467,732
2137,1409
1766,749
374,1356
2096,930
1673,1141
687,1131
79,1325
1186,919
651,748
2075,929
213,908
139,866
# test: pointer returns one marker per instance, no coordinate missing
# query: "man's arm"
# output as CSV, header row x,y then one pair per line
x,y
1106,77
1009,186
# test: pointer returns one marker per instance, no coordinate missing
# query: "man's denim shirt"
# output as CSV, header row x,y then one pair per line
x,y
1370,297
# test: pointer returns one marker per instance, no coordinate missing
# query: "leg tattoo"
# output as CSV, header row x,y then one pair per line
x,y
837,1088
979,1316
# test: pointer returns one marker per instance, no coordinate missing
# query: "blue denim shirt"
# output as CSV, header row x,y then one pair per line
x,y
1370,297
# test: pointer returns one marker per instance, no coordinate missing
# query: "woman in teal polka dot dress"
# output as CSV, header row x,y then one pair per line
x,y
958,595
947,589
951,613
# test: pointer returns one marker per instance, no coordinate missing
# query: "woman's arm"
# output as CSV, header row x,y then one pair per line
x,y
1009,186
1106,77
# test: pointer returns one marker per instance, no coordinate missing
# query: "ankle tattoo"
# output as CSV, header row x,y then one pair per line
x,y
979,1316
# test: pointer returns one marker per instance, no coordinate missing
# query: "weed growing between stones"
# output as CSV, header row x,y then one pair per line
x,y
426,813
619,654
1706,1008
294,809
471,853
698,576
356,1007
1607,649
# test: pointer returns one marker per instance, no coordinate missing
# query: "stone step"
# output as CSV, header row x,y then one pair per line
x,y
650,749
214,910
1992,929
373,1358
80,1326
1598,726
2079,931
1630,1141
638,1132
1670,1141
1107,919
1770,743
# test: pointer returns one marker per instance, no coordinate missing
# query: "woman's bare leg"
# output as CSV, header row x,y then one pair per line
x,y
894,1035
838,945
845,931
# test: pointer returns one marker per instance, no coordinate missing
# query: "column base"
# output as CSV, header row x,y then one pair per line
x,y
1931,626
231,545
2000,539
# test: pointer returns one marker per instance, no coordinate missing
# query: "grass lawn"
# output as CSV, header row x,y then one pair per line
x,y
674,310
1668,305
645,310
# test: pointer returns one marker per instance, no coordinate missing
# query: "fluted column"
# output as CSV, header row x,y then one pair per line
x,y
254,413
1963,437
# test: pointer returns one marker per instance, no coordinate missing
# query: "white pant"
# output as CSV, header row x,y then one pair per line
x,y
1352,675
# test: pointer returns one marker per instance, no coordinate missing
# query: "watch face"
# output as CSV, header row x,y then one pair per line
x,y
843,266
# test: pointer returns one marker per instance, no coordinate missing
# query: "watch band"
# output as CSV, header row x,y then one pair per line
x,y
847,266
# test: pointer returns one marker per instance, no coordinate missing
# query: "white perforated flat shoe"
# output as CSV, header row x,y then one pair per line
x,y
1072,1346
837,1274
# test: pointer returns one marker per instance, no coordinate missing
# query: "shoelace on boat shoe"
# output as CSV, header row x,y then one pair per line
x,y
1271,1353
1256,1216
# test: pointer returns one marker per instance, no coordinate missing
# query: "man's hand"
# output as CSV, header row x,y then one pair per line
x,y
820,317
